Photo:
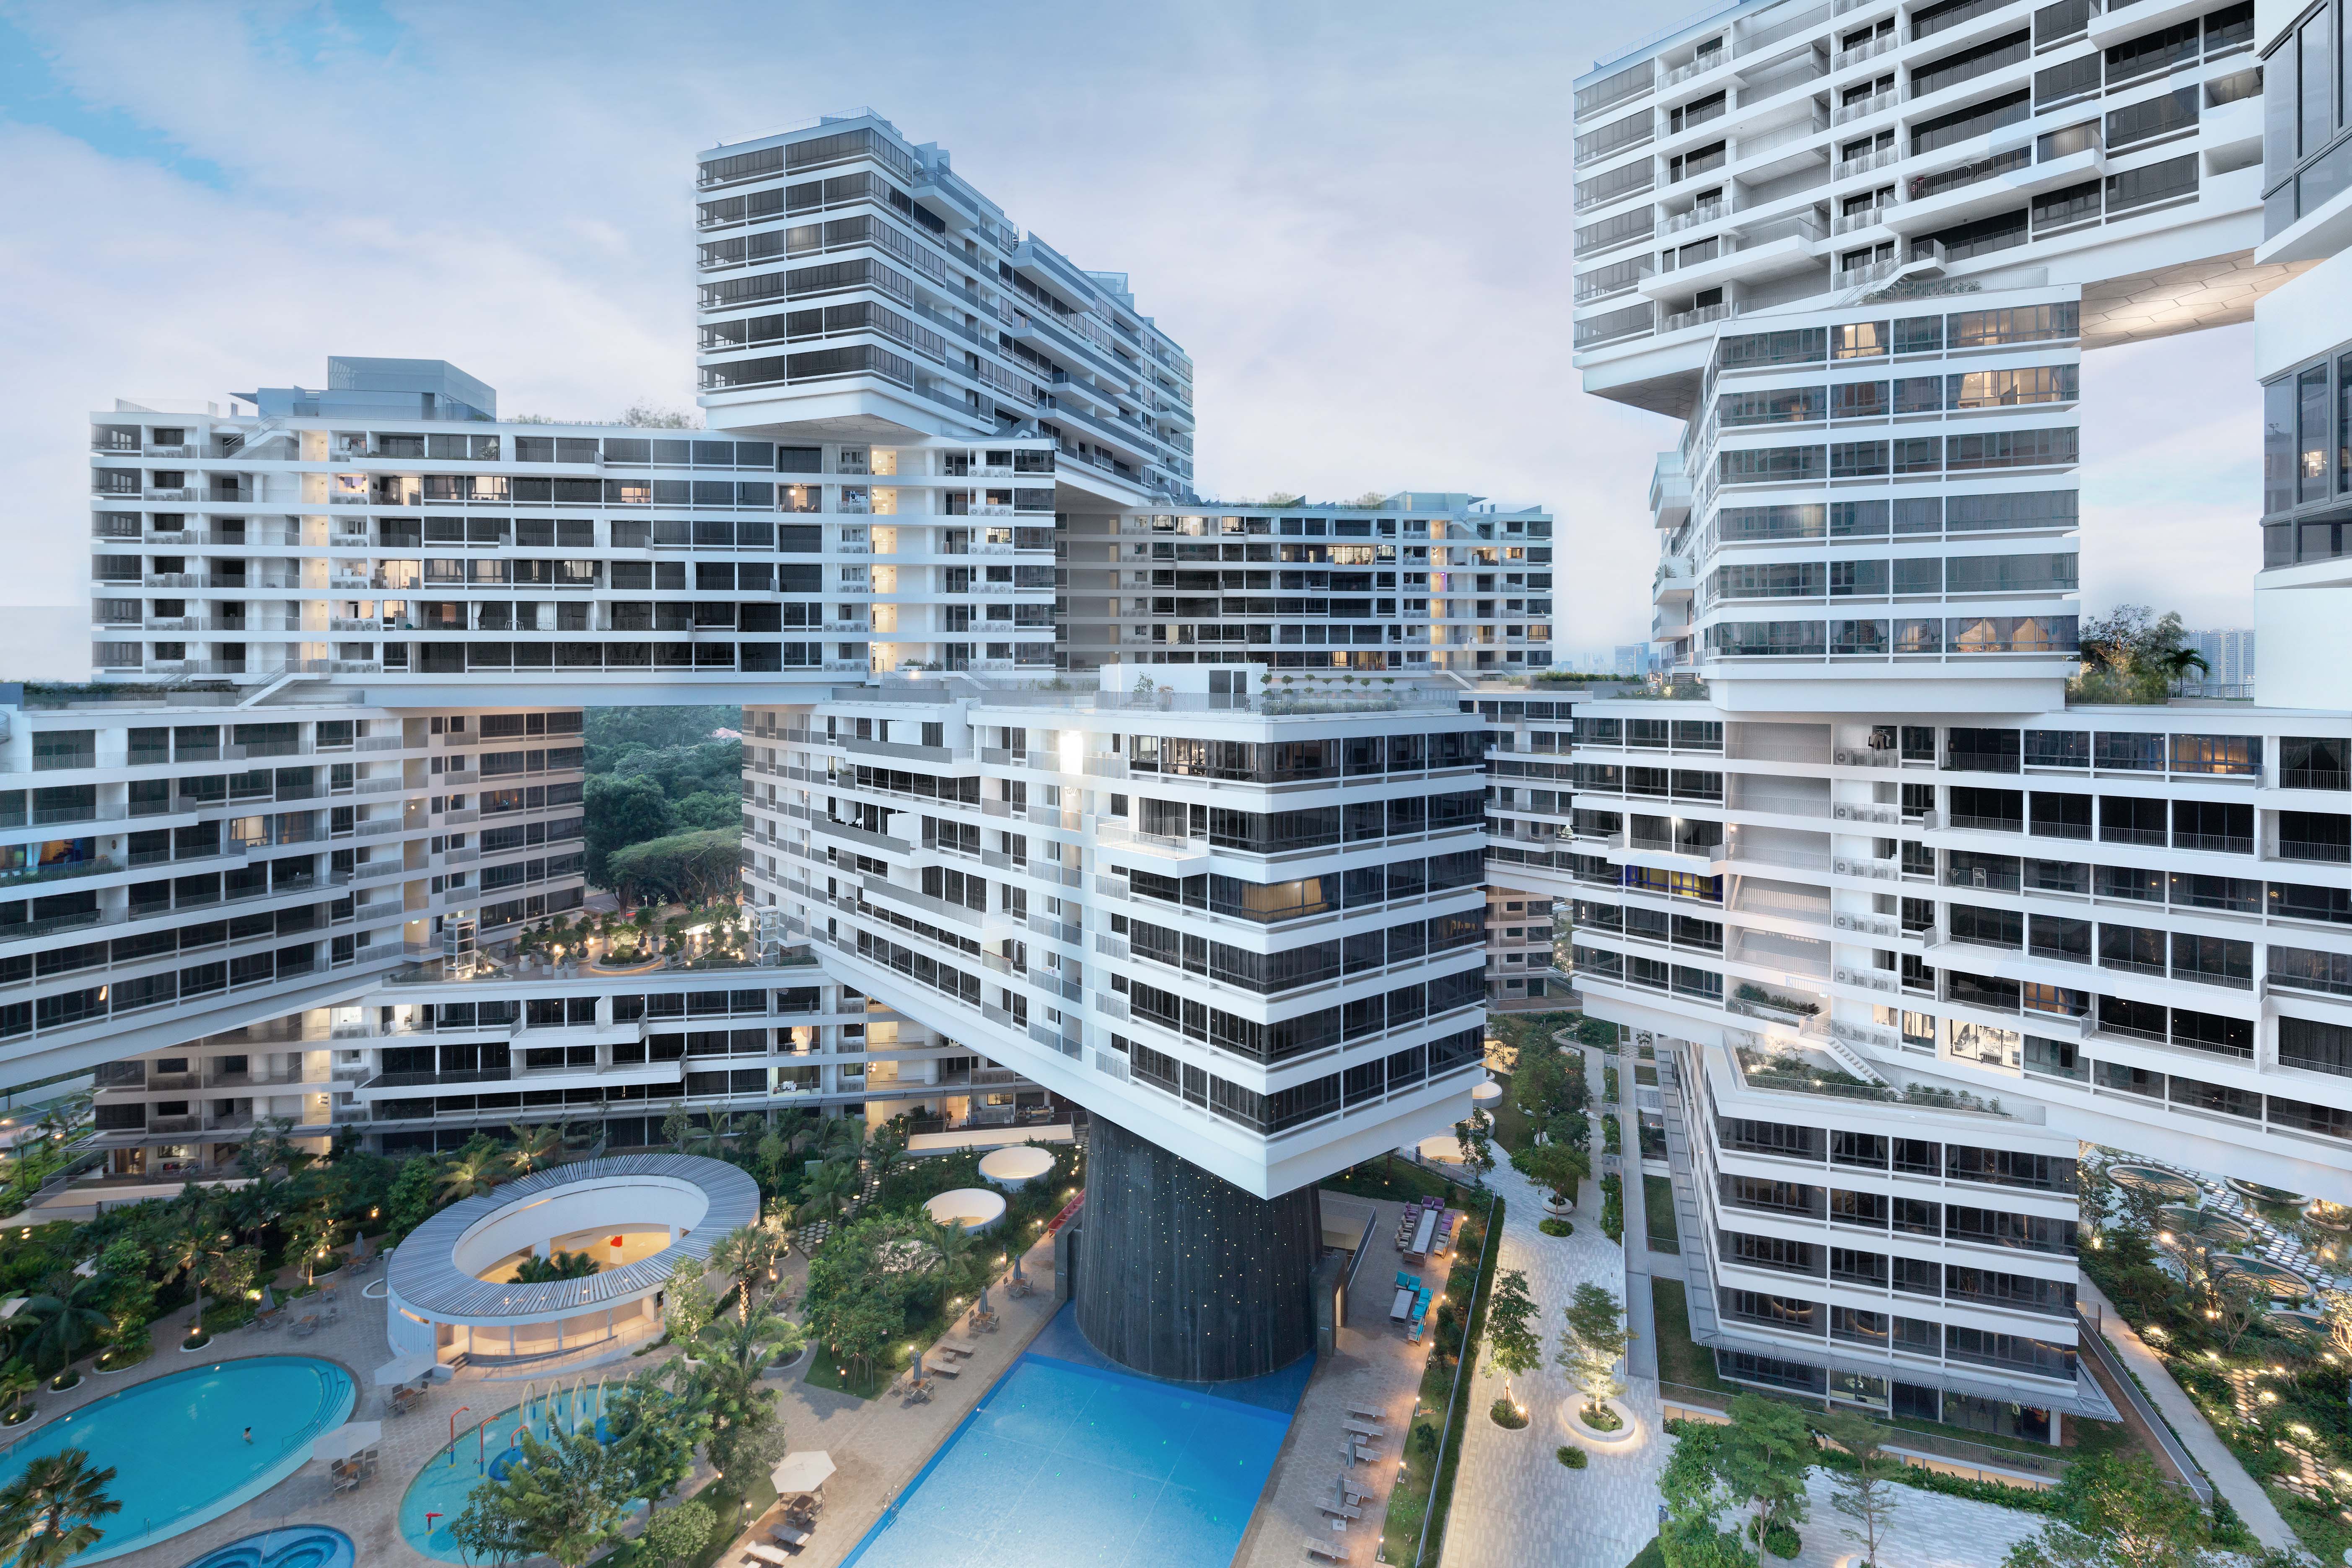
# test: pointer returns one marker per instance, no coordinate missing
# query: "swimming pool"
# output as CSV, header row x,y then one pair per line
x,y
296,1546
196,1419
437,1495
1070,1463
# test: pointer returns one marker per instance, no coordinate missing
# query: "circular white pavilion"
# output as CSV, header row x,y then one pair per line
x,y
974,1208
1014,1166
451,1285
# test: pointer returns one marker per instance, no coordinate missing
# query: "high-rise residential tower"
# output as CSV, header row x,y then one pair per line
x,y
1906,925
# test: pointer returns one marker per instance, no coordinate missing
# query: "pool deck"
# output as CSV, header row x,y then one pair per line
x,y
878,1444
1372,1367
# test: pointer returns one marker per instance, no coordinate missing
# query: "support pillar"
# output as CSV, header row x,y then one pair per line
x,y
1183,1275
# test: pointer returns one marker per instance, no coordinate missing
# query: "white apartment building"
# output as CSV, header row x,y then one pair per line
x,y
1043,811
1882,889
406,849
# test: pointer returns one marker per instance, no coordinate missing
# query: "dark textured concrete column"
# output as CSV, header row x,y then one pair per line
x,y
1183,1275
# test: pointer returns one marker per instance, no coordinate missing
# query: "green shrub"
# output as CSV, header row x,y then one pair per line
x,y
1574,1458
1507,1415
1555,1228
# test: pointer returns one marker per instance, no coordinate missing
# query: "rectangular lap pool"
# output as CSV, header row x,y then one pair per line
x,y
1069,1461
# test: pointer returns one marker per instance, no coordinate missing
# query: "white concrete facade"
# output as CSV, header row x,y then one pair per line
x,y
1880,877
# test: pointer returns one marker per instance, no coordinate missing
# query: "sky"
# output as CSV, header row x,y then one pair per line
x,y
1353,214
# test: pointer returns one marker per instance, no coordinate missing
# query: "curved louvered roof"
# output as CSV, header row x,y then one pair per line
x,y
424,1275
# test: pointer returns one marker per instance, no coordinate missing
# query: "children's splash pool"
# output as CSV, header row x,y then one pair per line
x,y
296,1546
484,1449
232,1430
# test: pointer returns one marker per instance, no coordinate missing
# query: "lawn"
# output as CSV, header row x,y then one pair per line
x,y
1658,1203
1513,1130
1650,1556
726,1503
1679,1359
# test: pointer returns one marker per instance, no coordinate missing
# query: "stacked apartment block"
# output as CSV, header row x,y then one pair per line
x,y
1064,790
1903,926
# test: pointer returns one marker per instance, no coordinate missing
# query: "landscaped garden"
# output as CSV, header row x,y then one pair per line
x,y
2224,1282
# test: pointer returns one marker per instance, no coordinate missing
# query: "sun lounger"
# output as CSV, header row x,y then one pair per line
x,y
756,1553
1343,1512
945,1368
1322,1553
1365,1429
1362,1414
961,1347
1364,1453
788,1535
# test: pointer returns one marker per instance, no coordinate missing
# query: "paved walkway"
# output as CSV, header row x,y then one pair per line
x,y
1373,1367
2187,1423
1514,1502
1929,1531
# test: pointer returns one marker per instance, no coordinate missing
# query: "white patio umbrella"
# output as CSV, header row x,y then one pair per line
x,y
802,1472
405,1369
351,1437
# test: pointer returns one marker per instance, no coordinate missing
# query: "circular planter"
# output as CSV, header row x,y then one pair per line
x,y
195,1347
1599,1440
103,1371
18,1417
1558,1210
1507,1415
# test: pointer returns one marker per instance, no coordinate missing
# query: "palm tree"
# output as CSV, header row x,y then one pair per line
x,y
311,1236
955,1245
742,1346
845,1139
748,1252
887,1148
2180,661
712,1139
541,1143
472,1173
66,1314
791,1125
17,1379
183,1250
832,1188
46,1513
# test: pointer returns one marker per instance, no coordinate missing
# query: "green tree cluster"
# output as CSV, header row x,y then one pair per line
x,y
2133,655
656,773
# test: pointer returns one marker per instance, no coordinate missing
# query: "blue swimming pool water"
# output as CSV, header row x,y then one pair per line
x,y
1066,1464
177,1446
296,1546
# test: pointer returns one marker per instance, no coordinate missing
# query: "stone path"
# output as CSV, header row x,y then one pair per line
x,y
1514,1502
2188,1423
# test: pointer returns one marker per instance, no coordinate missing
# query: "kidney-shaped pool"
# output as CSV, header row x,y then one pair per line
x,y
190,1446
